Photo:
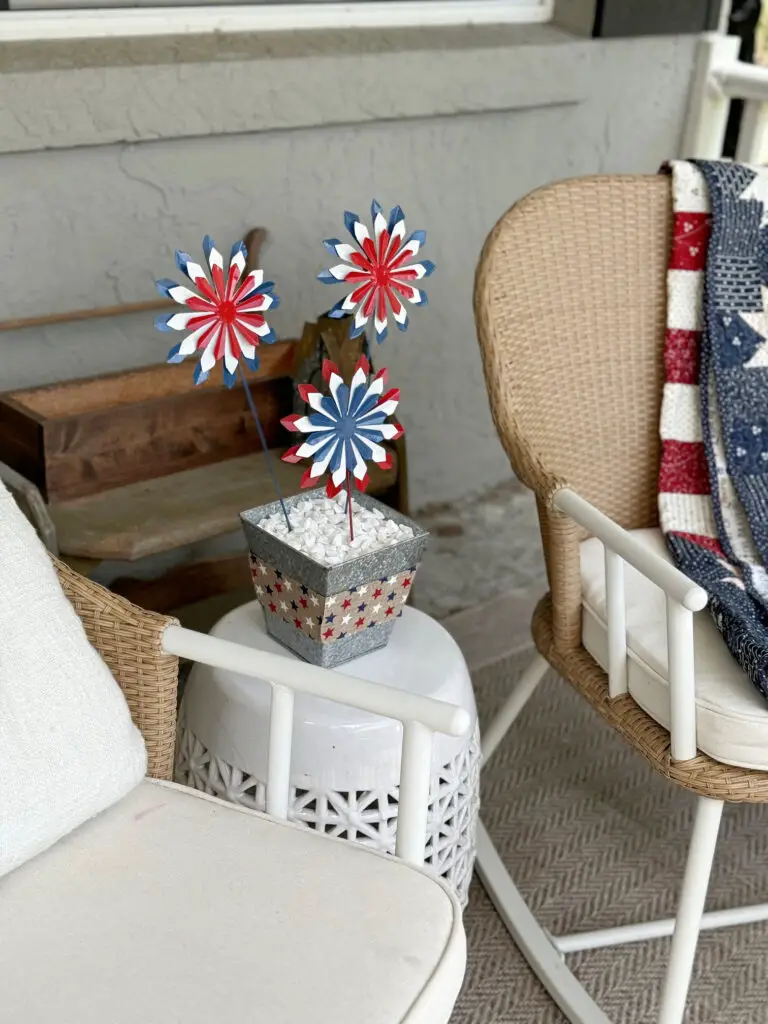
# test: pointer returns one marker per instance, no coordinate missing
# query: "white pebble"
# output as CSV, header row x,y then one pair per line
x,y
320,528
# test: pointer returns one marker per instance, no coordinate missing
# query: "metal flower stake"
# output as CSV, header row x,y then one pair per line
x,y
226,323
331,593
345,430
379,271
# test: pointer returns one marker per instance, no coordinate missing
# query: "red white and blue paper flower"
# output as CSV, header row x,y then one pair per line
x,y
345,428
226,319
379,271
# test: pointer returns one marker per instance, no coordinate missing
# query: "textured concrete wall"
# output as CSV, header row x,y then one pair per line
x,y
111,158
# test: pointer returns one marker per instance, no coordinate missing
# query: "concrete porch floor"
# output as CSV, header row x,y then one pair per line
x,y
480,549
483,571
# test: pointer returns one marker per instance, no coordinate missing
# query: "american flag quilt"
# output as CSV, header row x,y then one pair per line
x,y
713,481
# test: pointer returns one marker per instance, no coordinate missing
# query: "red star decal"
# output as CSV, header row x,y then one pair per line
x,y
279,587
303,602
406,583
360,622
272,606
390,611
327,634
347,603
297,623
377,592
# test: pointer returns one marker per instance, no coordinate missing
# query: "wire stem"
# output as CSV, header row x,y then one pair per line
x,y
349,505
368,356
267,453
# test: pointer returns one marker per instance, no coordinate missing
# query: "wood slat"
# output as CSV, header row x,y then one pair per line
x,y
92,394
187,584
254,241
83,437
124,309
143,519
21,442
87,455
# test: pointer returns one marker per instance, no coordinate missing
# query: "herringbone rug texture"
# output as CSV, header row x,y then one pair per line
x,y
594,838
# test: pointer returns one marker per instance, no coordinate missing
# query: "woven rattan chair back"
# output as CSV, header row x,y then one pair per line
x,y
570,304
130,640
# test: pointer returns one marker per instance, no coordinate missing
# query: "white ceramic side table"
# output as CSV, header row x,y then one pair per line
x,y
345,764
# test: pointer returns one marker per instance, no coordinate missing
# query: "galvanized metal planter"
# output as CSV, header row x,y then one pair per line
x,y
331,614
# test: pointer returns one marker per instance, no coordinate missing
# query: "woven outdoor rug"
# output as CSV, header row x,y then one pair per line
x,y
594,838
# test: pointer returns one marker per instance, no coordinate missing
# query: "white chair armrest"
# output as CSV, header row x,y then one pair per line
x,y
302,677
670,579
421,718
683,597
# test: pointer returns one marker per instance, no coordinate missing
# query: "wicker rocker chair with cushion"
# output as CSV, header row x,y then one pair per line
x,y
570,305
173,905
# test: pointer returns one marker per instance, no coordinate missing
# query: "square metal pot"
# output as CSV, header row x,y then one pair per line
x,y
330,614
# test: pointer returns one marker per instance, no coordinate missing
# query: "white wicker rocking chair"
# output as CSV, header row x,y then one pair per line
x,y
570,305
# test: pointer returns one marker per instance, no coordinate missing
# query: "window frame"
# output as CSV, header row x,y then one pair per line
x,y
104,19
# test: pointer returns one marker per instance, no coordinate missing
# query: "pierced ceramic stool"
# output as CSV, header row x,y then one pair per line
x,y
345,764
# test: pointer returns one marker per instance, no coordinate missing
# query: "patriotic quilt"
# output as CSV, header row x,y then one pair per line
x,y
713,483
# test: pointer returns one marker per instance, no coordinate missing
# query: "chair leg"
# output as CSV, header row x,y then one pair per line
x,y
533,941
701,852
513,705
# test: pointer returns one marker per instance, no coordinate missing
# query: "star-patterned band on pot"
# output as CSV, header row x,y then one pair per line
x,y
330,617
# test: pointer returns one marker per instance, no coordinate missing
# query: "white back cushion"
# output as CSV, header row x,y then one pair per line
x,y
68,748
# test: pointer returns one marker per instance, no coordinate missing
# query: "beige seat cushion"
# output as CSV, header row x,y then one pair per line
x,y
732,717
174,906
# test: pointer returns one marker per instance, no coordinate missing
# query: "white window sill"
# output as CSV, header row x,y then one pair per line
x,y
100,23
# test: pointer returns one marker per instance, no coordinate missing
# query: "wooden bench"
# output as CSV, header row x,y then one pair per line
x,y
134,465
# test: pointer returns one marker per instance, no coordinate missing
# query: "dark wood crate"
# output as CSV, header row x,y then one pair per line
x,y
84,437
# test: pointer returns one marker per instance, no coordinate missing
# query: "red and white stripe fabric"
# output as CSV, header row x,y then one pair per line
x,y
685,502
685,499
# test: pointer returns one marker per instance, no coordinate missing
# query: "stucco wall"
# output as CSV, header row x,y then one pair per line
x,y
116,154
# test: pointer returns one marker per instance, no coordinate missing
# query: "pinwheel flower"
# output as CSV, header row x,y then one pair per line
x,y
346,428
226,319
382,279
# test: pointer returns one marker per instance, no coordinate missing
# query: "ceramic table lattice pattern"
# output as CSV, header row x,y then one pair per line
x,y
364,816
